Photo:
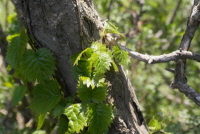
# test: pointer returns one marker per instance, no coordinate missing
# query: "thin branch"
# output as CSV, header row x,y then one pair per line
x,y
193,24
180,81
188,91
179,56
151,59
174,56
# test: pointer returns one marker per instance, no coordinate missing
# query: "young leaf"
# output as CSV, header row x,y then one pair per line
x,y
98,47
101,61
115,66
93,82
84,68
110,28
77,118
39,65
99,118
155,125
46,96
89,93
76,57
120,56
16,48
18,94
63,124
13,26
40,120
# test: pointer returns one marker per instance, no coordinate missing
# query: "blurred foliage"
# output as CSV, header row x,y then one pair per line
x,y
155,27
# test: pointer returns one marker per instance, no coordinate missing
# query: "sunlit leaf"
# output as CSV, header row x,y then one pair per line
x,y
76,57
155,124
101,61
77,118
121,56
40,120
111,28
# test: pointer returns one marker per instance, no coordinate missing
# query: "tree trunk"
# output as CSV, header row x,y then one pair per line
x,y
66,27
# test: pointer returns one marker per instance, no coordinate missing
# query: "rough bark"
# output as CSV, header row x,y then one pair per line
x,y
67,27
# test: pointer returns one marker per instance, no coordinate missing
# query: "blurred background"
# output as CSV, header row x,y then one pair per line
x,y
151,27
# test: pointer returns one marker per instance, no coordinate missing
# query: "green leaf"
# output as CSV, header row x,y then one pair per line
x,y
18,94
115,66
46,96
40,120
39,65
63,124
101,61
99,118
155,125
77,118
120,56
110,28
13,25
58,110
39,132
16,48
12,18
93,82
99,47
88,93
84,68
76,57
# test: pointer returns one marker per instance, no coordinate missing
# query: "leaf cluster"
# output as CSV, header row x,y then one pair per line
x,y
36,67
90,65
89,69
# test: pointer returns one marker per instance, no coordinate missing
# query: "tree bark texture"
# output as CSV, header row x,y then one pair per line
x,y
66,27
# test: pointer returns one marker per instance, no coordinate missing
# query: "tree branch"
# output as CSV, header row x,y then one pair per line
x,y
180,81
187,90
151,59
192,25
179,56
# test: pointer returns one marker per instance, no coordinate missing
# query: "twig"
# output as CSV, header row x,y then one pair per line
x,y
192,25
179,56
188,91
151,59
180,81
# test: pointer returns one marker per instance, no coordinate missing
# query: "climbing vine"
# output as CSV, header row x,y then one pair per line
x,y
92,114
